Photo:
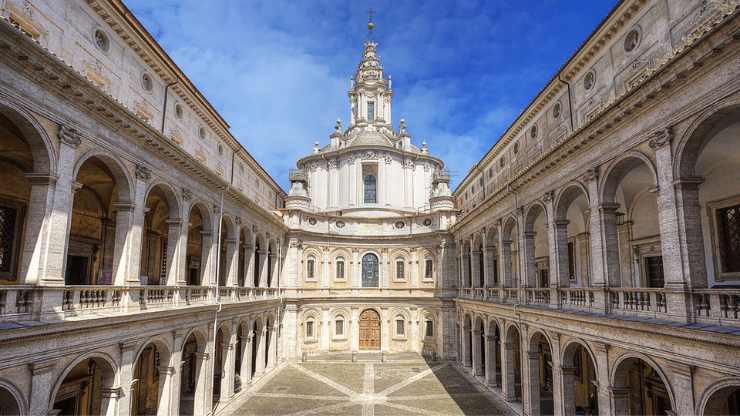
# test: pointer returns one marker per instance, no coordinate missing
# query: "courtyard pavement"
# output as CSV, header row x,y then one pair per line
x,y
334,385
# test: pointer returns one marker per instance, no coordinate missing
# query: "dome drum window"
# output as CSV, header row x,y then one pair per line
x,y
202,133
556,110
312,221
427,222
400,224
533,132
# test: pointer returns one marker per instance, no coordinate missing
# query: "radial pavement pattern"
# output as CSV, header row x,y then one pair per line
x,y
371,388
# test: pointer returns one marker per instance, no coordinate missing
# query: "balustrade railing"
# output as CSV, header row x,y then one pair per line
x,y
715,306
55,302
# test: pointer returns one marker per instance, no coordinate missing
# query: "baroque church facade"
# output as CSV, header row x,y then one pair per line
x,y
587,264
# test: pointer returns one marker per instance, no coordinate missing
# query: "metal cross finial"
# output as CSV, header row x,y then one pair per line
x,y
370,24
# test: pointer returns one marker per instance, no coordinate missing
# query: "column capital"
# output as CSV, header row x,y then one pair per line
x,y
202,355
143,173
660,138
69,136
41,178
42,367
166,370
591,174
681,369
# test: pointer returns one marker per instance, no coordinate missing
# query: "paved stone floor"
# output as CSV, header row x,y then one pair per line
x,y
412,386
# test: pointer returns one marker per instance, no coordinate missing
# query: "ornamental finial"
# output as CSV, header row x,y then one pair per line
x,y
370,24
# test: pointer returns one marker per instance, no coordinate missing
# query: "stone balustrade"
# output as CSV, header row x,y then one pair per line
x,y
21,303
709,306
303,293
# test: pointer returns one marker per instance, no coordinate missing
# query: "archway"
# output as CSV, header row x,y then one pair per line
x,y
512,368
369,330
540,380
256,343
510,253
161,235
492,261
9,405
580,391
151,374
192,389
271,260
258,245
84,389
467,341
631,225
199,244
221,356
227,250
707,190
494,353
26,157
724,402
536,248
479,339
245,255
96,237
370,270
572,242
639,389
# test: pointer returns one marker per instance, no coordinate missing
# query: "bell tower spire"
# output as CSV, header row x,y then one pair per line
x,y
370,93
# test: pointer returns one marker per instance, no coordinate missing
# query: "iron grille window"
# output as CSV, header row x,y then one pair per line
x,y
728,230
428,268
339,327
309,329
571,261
371,186
370,270
163,263
8,218
370,110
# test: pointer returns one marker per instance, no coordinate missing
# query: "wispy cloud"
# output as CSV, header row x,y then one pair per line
x,y
279,71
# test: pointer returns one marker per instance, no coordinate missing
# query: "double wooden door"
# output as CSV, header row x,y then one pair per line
x,y
369,330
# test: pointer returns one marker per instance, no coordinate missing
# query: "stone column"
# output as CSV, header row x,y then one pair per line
x,y
532,390
261,351
136,231
124,216
583,261
602,368
203,395
176,364
245,371
61,210
414,269
109,402
559,251
355,334
30,270
557,375
126,375
683,387
690,229
475,279
324,334
598,270
208,374
173,238
477,364
166,374
491,352
508,371
466,347
41,385
272,347
504,255
228,354
568,400
489,264
530,269
263,266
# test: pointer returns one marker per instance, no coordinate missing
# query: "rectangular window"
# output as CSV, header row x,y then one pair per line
x,y
399,270
371,111
429,330
309,329
400,327
428,268
339,331
728,233
370,183
654,270
310,269
340,270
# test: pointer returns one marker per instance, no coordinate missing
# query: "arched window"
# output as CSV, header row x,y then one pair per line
x,y
339,326
340,268
370,270
371,187
311,268
399,268
400,326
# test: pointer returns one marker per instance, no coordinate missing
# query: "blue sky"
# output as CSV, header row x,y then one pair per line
x,y
278,71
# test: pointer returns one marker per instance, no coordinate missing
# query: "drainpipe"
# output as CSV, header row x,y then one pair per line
x,y
164,106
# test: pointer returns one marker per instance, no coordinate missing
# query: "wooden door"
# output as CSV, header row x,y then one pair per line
x,y
369,330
